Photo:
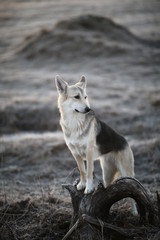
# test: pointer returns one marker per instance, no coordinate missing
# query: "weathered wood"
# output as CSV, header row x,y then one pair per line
x,y
158,203
131,232
71,230
88,208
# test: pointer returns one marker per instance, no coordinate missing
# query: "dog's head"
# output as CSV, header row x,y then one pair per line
x,y
74,97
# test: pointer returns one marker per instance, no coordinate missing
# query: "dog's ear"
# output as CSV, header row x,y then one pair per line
x,y
83,82
61,85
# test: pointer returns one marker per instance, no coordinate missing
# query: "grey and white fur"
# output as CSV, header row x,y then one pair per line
x,y
89,139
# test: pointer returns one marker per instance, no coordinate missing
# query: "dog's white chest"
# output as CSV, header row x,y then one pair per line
x,y
78,137
77,145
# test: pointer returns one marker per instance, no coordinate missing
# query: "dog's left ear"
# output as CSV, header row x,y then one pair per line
x,y
83,82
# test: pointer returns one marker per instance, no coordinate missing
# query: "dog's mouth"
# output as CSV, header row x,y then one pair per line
x,y
87,110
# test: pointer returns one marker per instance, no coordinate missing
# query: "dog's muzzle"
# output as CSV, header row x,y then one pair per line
x,y
87,109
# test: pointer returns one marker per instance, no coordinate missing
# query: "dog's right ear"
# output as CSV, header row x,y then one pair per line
x,y
61,85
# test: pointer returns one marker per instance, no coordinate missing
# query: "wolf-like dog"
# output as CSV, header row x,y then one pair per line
x,y
89,138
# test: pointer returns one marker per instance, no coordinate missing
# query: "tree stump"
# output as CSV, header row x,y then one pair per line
x,y
91,211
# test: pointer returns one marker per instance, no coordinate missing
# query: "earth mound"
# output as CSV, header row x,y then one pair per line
x,y
83,36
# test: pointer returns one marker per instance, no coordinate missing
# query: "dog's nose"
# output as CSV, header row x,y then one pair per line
x,y
87,109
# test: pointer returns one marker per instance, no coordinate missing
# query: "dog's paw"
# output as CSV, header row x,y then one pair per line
x,y
81,186
134,209
89,188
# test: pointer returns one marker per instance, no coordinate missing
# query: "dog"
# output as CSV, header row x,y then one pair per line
x,y
89,139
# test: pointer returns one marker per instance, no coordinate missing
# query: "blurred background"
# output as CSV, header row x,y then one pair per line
x,y
116,45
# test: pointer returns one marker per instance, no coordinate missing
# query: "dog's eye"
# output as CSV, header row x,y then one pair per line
x,y
85,97
77,97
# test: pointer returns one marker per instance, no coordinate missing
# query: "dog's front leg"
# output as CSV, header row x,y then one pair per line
x,y
90,164
82,184
89,178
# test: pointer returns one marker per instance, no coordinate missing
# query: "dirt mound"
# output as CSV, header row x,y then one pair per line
x,y
98,24
84,36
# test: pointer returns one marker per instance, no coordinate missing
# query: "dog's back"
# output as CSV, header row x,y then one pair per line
x,y
108,140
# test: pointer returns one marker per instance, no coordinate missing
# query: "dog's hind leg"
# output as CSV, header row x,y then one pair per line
x,y
125,163
126,168
108,168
